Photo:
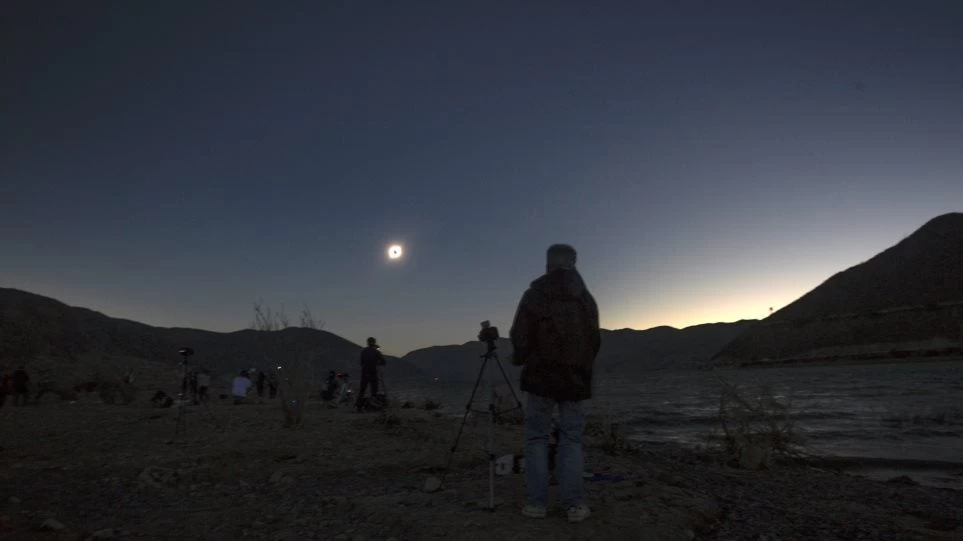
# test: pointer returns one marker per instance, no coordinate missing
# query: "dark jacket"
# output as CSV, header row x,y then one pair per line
x,y
556,337
371,359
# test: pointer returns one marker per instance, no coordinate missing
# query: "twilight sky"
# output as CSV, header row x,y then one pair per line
x,y
172,162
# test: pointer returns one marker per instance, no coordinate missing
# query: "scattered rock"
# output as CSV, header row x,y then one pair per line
x,y
413,499
106,533
276,477
157,477
283,535
432,484
669,479
944,524
52,524
14,500
341,537
903,480
359,538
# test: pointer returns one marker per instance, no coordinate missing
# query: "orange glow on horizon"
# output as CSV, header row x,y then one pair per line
x,y
721,308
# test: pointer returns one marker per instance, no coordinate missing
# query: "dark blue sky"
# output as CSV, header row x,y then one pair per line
x,y
172,162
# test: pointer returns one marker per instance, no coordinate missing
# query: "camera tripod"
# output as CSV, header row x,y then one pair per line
x,y
489,355
181,427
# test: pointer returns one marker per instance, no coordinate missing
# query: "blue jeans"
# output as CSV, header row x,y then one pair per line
x,y
569,466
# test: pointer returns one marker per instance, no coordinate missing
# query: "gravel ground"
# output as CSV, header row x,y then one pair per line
x,y
92,471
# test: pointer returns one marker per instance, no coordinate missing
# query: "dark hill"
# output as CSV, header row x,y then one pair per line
x,y
625,352
74,341
907,300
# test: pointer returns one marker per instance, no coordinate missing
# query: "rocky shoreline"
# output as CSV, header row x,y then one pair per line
x,y
91,471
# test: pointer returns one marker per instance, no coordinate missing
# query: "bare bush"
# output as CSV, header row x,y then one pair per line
x,y
757,427
610,436
296,372
266,319
308,321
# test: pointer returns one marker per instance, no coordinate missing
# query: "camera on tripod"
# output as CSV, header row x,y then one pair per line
x,y
185,353
488,334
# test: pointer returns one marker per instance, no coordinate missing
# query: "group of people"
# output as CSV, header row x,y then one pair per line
x,y
337,388
16,384
199,384
242,385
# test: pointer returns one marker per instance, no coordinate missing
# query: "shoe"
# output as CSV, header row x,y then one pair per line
x,y
534,511
578,513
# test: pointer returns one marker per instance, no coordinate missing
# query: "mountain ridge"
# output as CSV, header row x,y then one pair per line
x,y
627,352
905,301
79,340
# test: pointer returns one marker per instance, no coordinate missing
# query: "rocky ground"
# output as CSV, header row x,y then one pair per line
x,y
92,471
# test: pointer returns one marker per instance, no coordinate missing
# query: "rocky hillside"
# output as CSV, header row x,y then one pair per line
x,y
906,301
624,353
75,342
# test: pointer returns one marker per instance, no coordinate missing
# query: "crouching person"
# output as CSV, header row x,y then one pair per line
x,y
240,387
556,338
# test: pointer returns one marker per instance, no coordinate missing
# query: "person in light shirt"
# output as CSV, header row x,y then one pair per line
x,y
203,382
240,388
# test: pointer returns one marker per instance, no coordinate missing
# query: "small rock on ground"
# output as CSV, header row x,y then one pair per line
x,y
51,524
432,484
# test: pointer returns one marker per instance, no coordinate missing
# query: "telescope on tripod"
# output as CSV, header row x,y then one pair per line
x,y
182,397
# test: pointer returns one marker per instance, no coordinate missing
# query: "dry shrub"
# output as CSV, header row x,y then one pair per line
x,y
757,427
610,436
115,391
297,373
388,420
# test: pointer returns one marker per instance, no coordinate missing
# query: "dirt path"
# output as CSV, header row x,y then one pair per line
x,y
118,472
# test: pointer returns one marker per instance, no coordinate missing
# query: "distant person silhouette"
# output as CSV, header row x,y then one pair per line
x,y
261,379
21,387
272,385
371,359
556,338
6,386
